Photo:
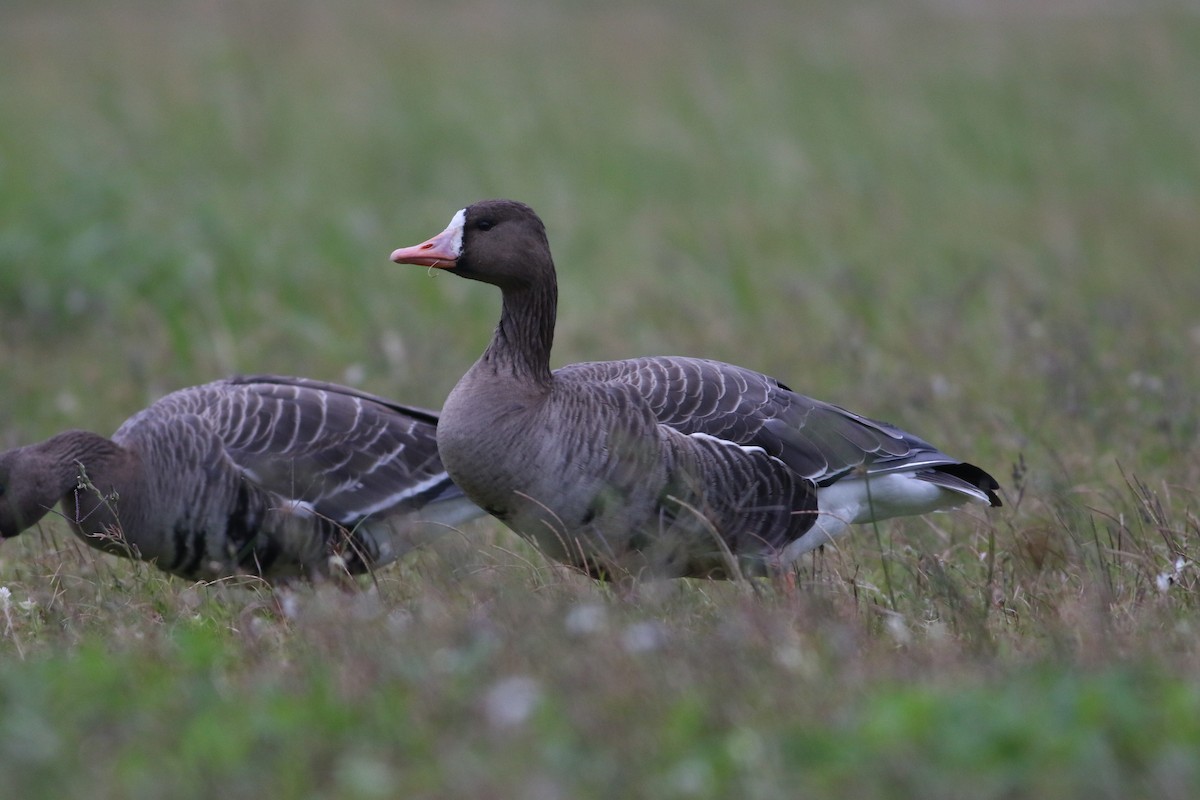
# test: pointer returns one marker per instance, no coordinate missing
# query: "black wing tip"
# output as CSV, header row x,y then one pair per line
x,y
977,477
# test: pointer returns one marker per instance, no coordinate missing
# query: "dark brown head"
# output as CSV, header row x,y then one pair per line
x,y
501,242
35,477
28,489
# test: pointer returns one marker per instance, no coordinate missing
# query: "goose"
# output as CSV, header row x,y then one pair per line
x,y
657,466
283,478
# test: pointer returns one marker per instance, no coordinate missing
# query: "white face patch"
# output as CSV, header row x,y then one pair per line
x,y
455,229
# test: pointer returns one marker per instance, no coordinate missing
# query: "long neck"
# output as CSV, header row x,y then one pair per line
x,y
521,344
98,455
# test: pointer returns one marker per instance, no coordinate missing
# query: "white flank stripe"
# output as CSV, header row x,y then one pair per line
x,y
749,448
400,497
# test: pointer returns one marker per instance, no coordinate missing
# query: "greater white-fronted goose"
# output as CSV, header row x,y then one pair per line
x,y
271,476
666,466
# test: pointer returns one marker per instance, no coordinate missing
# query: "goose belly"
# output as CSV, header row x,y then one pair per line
x,y
569,500
879,497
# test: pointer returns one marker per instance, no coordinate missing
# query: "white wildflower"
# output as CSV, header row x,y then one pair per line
x,y
289,604
585,618
5,608
1165,580
791,657
642,637
510,701
896,627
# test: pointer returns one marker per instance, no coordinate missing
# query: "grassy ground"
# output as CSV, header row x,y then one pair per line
x,y
975,219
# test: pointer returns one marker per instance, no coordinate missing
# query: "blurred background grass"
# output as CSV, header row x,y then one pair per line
x,y
979,220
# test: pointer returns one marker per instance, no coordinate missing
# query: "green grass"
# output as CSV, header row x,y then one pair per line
x,y
977,220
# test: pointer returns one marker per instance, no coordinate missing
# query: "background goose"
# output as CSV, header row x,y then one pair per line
x,y
265,475
668,465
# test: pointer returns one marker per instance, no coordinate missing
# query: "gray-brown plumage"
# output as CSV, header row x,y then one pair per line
x,y
271,476
667,466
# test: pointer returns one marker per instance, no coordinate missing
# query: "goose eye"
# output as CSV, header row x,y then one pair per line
x,y
485,225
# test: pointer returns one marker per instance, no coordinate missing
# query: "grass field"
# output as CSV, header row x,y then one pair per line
x,y
979,220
